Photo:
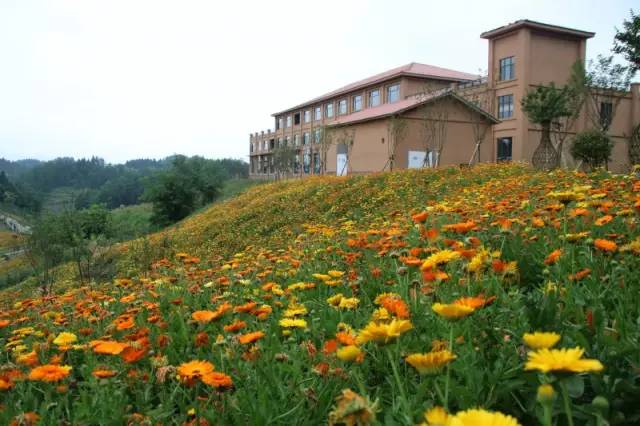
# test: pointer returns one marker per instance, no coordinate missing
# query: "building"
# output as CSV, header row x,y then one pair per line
x,y
420,115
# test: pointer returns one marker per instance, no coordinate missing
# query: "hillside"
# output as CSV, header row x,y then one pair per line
x,y
413,289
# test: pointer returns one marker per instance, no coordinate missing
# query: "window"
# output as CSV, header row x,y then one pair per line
x,y
505,106
307,116
507,68
288,121
606,114
342,107
316,163
318,115
504,149
306,162
286,141
278,143
317,135
328,110
305,138
356,103
374,98
296,118
296,140
279,123
393,93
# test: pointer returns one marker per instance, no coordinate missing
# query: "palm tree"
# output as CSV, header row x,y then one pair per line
x,y
544,106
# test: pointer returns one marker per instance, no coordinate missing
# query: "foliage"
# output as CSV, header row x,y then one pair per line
x,y
593,147
546,104
323,312
627,41
189,183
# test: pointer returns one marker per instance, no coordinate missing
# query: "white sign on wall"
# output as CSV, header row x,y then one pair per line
x,y
341,165
416,159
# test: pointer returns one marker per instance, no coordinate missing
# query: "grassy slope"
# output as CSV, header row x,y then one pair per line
x,y
282,233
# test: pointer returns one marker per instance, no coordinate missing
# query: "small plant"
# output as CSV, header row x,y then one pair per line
x,y
593,147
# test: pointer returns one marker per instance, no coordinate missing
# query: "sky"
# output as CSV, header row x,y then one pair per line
x,y
147,79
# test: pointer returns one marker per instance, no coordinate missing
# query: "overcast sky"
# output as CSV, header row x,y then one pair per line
x,y
130,79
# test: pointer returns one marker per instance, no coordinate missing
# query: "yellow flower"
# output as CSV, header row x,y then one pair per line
x,y
335,299
335,274
545,393
452,311
349,303
436,416
349,353
65,339
479,417
562,360
431,362
541,340
292,323
380,314
383,333
382,296
443,256
321,277
49,373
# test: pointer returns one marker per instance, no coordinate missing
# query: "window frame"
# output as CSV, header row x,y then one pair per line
x,y
502,106
499,141
503,66
328,110
289,121
389,87
353,103
369,98
346,107
317,113
307,116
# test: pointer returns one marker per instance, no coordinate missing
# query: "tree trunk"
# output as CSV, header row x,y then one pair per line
x,y
545,157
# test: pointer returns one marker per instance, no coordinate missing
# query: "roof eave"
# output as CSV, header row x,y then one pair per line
x,y
538,26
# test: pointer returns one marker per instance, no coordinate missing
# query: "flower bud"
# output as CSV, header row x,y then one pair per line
x,y
601,404
545,394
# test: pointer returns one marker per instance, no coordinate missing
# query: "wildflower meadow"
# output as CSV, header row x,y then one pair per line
x,y
492,295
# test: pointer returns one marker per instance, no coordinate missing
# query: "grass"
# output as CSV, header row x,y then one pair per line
x,y
294,276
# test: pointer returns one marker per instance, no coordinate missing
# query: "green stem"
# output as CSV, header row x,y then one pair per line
x,y
398,381
446,383
567,404
547,414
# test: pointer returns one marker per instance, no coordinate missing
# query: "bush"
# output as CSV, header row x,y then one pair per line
x,y
593,147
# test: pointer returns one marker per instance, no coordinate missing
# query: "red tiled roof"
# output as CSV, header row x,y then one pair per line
x,y
403,105
410,70
538,26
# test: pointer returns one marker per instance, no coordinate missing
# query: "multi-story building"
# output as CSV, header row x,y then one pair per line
x,y
420,115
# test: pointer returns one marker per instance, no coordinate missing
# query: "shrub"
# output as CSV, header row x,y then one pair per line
x,y
593,147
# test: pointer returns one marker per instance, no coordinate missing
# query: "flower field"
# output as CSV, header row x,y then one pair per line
x,y
493,295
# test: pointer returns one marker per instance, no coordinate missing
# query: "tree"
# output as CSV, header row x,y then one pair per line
x,y
45,248
543,106
284,157
189,183
593,147
325,138
396,131
627,41
435,123
480,94
605,81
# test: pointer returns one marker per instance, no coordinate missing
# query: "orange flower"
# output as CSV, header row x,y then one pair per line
x,y
603,220
107,347
420,217
103,374
247,307
605,245
474,302
217,380
49,373
580,274
250,337
235,326
125,322
461,228
194,369
29,359
131,354
345,338
4,323
395,306
553,257
205,316
330,346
